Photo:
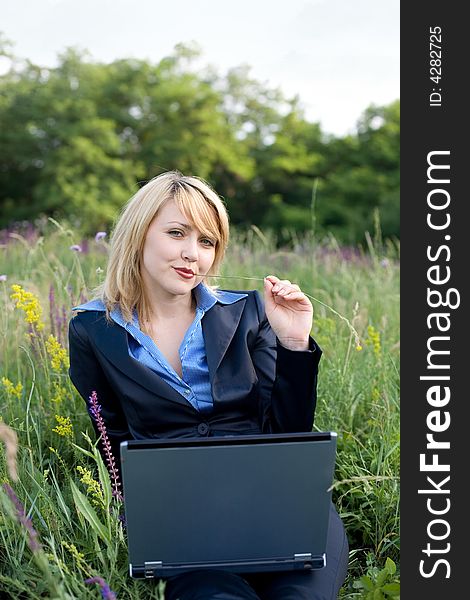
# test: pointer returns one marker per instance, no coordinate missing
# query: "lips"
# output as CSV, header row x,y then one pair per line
x,y
186,273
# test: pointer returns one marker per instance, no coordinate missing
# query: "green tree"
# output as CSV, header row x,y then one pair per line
x,y
76,140
79,137
170,117
285,148
60,156
363,177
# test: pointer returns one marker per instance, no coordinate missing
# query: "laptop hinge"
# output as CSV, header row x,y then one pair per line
x,y
149,568
304,556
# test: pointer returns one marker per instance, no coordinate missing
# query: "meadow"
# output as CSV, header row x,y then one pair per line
x,y
61,528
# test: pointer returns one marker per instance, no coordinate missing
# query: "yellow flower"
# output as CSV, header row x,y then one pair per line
x,y
375,394
29,304
12,390
374,339
59,562
57,353
79,558
64,426
59,393
73,551
59,458
93,486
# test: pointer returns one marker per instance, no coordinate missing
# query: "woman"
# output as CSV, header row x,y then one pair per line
x,y
171,356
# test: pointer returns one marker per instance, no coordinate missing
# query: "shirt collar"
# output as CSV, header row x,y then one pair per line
x,y
96,304
205,300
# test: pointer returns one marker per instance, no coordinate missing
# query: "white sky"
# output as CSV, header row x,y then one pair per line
x,y
339,56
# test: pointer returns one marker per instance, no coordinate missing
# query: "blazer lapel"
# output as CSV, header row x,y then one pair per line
x,y
111,340
218,327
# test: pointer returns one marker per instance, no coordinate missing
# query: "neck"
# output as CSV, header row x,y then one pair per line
x,y
170,309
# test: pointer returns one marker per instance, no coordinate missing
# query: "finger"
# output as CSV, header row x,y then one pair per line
x,y
268,291
281,284
277,289
268,288
284,291
271,279
295,300
294,295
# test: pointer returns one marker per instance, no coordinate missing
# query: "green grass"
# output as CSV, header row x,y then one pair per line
x,y
78,525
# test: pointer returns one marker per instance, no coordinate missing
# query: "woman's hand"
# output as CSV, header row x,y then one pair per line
x,y
289,312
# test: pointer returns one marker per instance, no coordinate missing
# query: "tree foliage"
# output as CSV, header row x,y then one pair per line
x,y
76,140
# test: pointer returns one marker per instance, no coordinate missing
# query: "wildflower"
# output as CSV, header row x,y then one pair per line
x,y
28,303
375,394
64,426
93,486
59,458
25,521
106,591
358,347
100,236
78,556
95,412
57,353
75,248
3,278
73,551
59,393
8,435
12,390
374,339
59,562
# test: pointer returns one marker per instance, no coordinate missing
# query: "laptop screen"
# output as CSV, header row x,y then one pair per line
x,y
241,503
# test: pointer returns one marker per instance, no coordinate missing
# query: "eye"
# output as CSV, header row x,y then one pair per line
x,y
175,232
208,242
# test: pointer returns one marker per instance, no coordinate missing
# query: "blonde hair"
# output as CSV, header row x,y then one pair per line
x,y
123,285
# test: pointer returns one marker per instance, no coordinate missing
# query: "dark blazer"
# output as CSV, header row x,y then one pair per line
x,y
257,384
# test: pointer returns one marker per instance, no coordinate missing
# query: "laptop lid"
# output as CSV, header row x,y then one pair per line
x,y
237,503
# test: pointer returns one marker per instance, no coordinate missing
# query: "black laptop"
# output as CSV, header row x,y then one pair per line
x,y
237,503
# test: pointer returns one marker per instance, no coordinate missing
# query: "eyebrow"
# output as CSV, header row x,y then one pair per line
x,y
185,225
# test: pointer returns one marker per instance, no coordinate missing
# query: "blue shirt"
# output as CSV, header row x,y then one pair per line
x,y
195,385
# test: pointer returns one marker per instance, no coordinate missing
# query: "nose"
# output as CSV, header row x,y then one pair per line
x,y
189,251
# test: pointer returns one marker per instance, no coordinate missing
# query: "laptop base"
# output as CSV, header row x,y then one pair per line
x,y
156,569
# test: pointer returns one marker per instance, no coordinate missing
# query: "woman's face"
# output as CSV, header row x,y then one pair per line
x,y
174,252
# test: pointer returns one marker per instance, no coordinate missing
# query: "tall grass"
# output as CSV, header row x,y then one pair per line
x,y
81,541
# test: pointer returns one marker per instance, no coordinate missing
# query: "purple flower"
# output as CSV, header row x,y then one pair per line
x,y
3,277
95,411
106,591
122,519
100,236
25,521
76,248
